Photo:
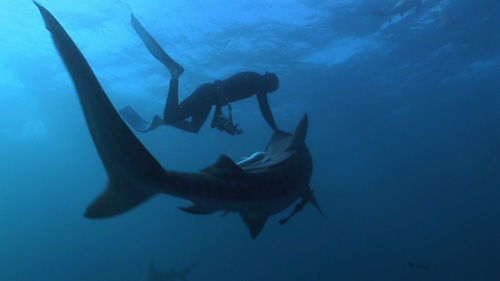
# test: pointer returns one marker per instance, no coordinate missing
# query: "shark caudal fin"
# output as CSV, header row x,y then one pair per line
x,y
130,167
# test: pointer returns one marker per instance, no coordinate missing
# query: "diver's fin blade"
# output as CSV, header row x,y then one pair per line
x,y
155,48
197,209
255,225
135,120
299,136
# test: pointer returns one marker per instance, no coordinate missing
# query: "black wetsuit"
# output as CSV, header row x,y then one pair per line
x,y
220,93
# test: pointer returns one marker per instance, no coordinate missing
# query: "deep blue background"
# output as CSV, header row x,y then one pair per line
x,y
404,133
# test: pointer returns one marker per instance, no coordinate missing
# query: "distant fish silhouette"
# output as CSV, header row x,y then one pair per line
x,y
154,275
419,266
399,8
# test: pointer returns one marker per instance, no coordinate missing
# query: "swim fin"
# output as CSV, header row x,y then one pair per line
x,y
154,48
136,121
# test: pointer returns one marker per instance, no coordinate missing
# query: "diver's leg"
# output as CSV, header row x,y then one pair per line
x,y
200,117
197,106
171,113
196,122
154,48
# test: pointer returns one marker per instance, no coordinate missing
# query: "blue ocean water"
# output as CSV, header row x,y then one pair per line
x,y
404,134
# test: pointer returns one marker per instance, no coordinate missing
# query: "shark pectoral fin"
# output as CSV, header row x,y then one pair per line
x,y
224,167
255,225
197,209
299,136
314,202
116,199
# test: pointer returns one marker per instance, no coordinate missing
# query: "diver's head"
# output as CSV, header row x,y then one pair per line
x,y
272,82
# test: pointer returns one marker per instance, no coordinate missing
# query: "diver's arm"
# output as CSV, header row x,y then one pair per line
x,y
266,111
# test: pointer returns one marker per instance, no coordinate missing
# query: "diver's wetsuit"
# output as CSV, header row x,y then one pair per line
x,y
198,105
220,93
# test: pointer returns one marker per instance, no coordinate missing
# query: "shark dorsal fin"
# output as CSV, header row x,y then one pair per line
x,y
224,167
255,225
299,136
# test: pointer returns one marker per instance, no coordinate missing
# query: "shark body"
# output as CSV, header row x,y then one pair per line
x,y
255,190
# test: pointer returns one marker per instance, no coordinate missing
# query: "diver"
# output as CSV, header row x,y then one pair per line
x,y
221,93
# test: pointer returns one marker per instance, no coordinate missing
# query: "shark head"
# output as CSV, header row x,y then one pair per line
x,y
288,156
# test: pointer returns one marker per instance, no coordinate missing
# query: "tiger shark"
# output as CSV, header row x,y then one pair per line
x,y
255,189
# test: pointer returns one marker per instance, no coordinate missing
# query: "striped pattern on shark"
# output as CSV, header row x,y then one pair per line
x,y
255,190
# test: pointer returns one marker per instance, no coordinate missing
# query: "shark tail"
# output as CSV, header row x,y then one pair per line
x,y
117,198
133,172
183,273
